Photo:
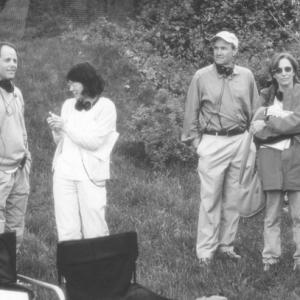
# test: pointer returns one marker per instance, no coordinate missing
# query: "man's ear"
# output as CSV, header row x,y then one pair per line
x,y
235,50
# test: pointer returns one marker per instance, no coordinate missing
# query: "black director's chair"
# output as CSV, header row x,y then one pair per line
x,y
12,285
102,268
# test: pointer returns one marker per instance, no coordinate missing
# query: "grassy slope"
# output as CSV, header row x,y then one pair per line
x,y
161,207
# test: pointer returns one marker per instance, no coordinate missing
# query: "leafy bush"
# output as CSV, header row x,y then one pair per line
x,y
154,57
184,28
158,126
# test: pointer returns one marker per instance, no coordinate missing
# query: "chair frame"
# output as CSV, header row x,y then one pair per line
x,y
54,288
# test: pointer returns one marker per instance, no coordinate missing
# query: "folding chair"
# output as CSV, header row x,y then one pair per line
x,y
12,285
102,268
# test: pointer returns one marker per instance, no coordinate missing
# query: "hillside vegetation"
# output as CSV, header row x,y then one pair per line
x,y
147,63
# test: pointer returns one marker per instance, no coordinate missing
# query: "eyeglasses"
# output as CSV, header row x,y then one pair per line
x,y
286,70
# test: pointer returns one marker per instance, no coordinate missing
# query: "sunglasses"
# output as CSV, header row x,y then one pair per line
x,y
286,70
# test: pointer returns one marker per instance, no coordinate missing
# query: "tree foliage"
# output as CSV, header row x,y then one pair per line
x,y
182,30
166,42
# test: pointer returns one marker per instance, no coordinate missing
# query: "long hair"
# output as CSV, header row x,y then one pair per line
x,y
93,84
275,63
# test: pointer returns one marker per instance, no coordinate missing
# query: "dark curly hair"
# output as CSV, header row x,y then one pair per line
x,y
85,73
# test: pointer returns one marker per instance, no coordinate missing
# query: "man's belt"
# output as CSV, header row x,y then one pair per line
x,y
224,132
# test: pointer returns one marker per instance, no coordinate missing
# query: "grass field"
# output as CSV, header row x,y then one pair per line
x,y
161,206
163,209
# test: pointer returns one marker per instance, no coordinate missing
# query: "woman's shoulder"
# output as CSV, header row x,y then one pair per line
x,y
106,100
69,102
106,103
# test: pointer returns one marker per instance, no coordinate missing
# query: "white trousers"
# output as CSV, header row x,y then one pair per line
x,y
79,209
218,168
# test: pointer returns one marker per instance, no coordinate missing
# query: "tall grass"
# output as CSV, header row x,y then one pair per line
x,y
161,206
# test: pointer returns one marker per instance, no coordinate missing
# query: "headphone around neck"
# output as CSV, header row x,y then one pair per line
x,y
83,105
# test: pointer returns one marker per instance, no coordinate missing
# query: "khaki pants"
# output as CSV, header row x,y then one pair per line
x,y
272,240
218,168
79,209
14,192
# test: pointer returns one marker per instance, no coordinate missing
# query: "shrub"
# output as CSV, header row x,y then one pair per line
x,y
158,126
162,48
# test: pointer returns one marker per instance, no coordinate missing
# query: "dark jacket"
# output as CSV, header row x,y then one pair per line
x,y
280,169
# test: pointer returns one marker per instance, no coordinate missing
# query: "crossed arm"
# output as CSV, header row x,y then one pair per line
x,y
275,123
89,136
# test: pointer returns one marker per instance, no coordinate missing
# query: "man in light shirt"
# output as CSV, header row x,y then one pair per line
x,y
221,100
15,158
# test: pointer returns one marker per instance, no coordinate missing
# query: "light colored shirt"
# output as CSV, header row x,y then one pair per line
x,y
13,135
83,151
215,102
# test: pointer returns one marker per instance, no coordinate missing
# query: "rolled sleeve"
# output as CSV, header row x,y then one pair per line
x,y
191,116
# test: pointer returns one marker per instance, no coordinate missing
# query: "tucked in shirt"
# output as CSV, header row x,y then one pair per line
x,y
13,135
215,102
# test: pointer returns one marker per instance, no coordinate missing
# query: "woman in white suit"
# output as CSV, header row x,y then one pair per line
x,y
85,134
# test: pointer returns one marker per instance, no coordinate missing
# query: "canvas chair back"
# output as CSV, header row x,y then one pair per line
x,y
8,272
98,268
9,289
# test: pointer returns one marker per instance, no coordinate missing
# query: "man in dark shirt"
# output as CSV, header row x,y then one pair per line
x,y
221,100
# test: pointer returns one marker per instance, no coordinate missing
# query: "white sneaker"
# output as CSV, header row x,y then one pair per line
x,y
270,264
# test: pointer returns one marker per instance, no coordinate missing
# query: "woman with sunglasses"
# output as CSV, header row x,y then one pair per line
x,y
276,128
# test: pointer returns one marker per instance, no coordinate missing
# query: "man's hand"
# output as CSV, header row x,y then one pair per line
x,y
257,126
55,122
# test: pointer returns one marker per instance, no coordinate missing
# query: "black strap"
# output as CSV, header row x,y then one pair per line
x,y
7,85
81,104
225,71
279,95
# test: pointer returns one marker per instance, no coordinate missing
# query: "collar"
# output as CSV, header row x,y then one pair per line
x,y
235,71
7,85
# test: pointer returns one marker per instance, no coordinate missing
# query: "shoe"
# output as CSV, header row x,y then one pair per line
x,y
270,265
205,262
231,254
267,267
